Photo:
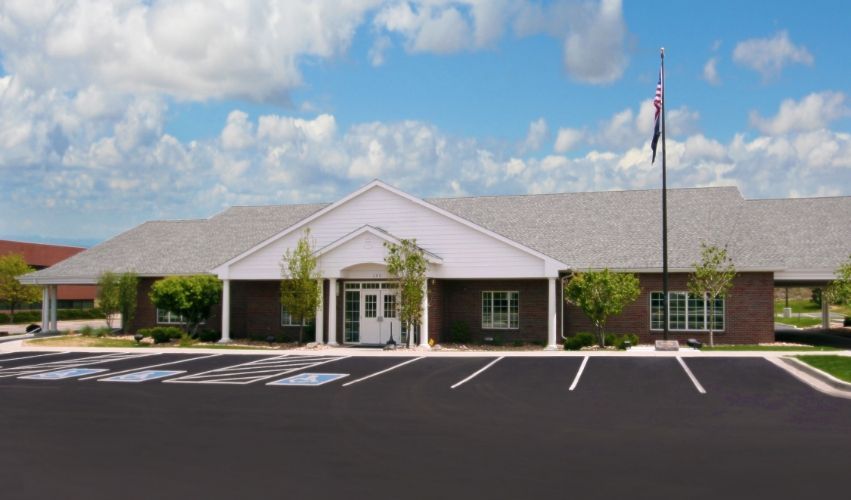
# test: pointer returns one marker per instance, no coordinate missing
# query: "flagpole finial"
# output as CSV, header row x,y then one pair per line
x,y
662,51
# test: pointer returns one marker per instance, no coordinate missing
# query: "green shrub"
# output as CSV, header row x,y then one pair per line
x,y
102,331
87,331
847,321
186,340
621,340
459,333
161,334
518,343
209,336
578,341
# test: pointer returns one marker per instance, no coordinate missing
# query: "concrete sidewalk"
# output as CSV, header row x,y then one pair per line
x,y
641,351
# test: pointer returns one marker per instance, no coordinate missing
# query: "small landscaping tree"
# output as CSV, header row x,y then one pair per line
x,y
12,291
839,291
128,283
601,294
407,264
301,286
108,295
191,297
712,280
117,295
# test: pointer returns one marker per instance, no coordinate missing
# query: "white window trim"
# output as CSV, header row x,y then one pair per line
x,y
705,314
509,311
283,311
169,315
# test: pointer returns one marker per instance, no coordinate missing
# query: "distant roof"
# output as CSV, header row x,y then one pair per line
x,y
38,254
615,229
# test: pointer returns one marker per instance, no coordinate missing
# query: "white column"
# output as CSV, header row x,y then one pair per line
x,y
54,293
825,311
551,315
225,312
45,308
320,313
424,322
332,311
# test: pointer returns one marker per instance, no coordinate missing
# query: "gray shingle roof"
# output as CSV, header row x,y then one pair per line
x,y
615,229
160,248
804,233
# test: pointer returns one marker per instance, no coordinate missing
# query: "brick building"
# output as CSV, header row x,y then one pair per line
x,y
41,256
496,264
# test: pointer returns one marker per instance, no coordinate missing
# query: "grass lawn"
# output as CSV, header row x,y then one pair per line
x,y
838,366
80,341
807,306
769,348
802,322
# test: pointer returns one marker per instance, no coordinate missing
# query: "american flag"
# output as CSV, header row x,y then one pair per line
x,y
657,103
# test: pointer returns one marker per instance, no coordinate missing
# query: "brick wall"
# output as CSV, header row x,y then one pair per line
x,y
462,301
749,314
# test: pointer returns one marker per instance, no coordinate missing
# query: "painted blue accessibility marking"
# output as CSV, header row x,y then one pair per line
x,y
309,379
67,373
143,376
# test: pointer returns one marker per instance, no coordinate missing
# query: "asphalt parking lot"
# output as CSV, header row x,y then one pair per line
x,y
222,426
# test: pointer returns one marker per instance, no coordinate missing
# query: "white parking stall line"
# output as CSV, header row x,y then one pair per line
x,y
31,357
471,377
255,371
152,366
697,385
382,371
579,373
71,363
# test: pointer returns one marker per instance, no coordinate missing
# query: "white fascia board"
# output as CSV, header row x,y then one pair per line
x,y
805,275
658,270
76,280
550,263
383,235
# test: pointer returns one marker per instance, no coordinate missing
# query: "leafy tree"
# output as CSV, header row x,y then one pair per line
x,y
191,297
12,291
601,294
839,291
712,279
407,264
815,296
301,286
128,284
108,296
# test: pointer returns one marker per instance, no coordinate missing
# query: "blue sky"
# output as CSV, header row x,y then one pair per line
x,y
118,112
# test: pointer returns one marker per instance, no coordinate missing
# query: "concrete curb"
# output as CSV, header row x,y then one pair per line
x,y
19,346
813,377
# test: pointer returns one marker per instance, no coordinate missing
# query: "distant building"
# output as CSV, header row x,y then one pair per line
x,y
41,256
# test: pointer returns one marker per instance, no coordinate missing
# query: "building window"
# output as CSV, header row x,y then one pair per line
x,y
351,320
370,305
287,319
500,310
169,318
686,312
389,306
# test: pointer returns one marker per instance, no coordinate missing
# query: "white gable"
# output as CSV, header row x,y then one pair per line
x,y
466,250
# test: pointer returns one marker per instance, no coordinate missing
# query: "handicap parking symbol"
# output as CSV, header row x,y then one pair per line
x,y
66,373
309,379
142,376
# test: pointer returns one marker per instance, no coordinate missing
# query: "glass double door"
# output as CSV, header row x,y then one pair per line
x,y
371,314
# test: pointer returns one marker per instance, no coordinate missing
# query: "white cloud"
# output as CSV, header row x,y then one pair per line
x,y
538,133
190,49
815,111
594,33
769,56
594,51
567,139
710,71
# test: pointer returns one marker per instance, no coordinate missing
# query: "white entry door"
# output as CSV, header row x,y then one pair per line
x,y
378,315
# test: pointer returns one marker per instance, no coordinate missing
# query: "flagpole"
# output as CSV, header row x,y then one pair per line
x,y
664,209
